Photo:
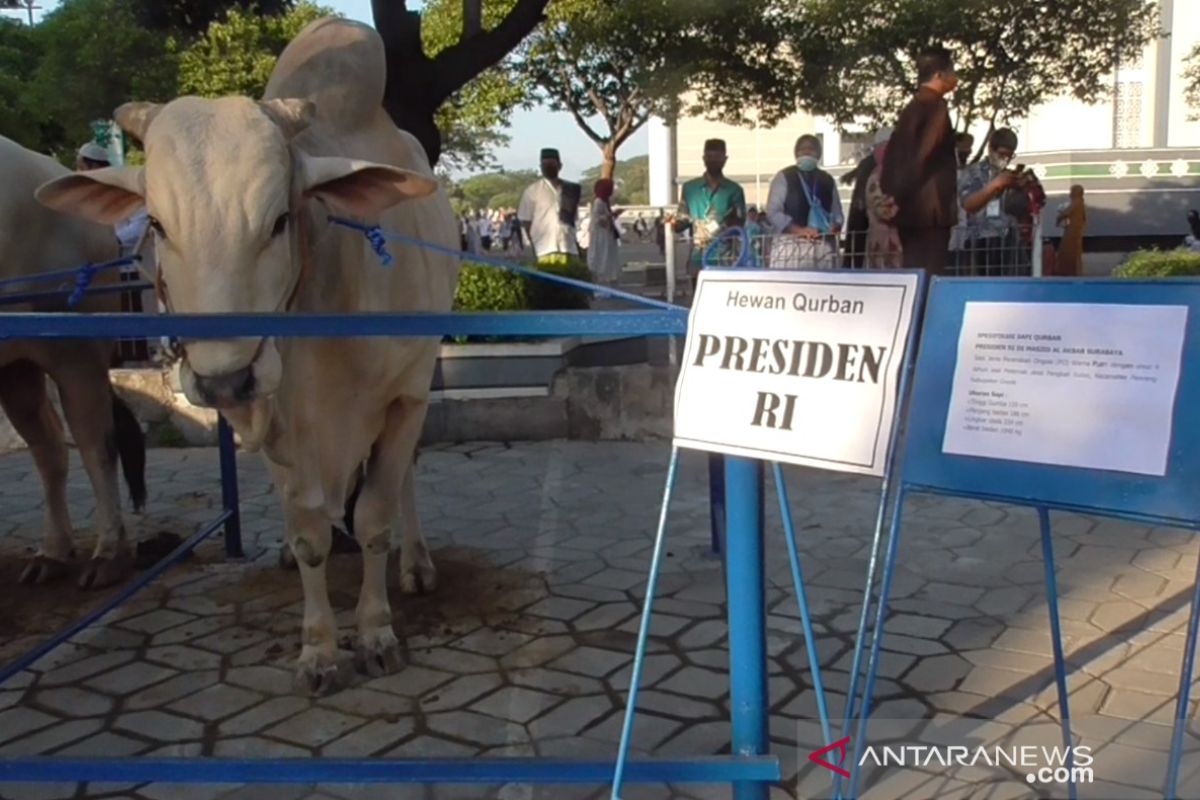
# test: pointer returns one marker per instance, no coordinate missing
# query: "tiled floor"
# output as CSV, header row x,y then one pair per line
x,y
525,648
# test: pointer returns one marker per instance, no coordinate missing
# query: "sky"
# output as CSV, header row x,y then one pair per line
x,y
530,130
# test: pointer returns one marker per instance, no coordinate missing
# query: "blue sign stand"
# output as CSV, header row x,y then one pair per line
x,y
746,592
1170,500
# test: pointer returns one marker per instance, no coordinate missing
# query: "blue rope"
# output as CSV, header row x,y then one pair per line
x,y
74,273
379,245
377,237
82,281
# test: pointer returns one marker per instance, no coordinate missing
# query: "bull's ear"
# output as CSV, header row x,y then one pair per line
x,y
292,116
135,118
361,188
105,195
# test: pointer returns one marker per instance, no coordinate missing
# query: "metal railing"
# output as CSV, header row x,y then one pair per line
x,y
1009,255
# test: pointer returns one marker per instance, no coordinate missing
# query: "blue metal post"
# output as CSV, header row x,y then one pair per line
x,y
885,591
1185,691
716,500
639,657
1060,667
810,640
145,579
229,490
885,493
746,592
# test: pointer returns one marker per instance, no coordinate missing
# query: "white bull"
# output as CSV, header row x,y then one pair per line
x,y
34,240
239,193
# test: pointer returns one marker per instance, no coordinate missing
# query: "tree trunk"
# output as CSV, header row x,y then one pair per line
x,y
472,17
418,85
609,151
407,99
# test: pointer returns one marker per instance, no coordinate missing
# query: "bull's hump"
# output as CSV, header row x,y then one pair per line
x,y
338,64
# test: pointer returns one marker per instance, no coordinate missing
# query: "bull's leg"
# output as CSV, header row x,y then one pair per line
x,y
417,573
308,536
25,402
374,515
87,404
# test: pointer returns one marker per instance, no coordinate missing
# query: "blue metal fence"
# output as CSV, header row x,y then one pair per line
x,y
750,767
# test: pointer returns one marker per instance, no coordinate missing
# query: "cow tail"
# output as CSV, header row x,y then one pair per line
x,y
131,447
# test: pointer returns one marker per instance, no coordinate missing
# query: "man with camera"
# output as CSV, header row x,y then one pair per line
x,y
997,201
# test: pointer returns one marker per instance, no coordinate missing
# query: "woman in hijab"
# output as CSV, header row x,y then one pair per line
x,y
1072,218
603,239
805,210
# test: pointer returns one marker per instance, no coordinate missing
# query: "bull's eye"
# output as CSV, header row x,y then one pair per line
x,y
158,228
280,226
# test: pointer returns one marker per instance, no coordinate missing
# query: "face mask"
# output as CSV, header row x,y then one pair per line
x,y
806,163
997,161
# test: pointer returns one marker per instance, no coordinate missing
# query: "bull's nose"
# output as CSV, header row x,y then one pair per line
x,y
232,388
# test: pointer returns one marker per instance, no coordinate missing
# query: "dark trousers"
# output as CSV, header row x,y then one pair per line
x,y
926,248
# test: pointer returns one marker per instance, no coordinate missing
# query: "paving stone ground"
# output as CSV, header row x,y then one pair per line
x,y
525,647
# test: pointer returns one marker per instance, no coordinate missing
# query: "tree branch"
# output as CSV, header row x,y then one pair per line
x,y
585,127
632,122
458,64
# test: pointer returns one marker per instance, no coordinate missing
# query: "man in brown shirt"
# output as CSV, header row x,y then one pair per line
x,y
921,167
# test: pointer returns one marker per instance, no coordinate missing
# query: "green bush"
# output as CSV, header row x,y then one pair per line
x,y
482,288
1160,264
549,296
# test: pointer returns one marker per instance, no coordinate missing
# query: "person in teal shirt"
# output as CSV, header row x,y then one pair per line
x,y
709,205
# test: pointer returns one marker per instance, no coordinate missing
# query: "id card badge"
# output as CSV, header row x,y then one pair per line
x,y
993,209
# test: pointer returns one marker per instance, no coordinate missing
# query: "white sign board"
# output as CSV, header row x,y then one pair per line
x,y
798,367
1069,384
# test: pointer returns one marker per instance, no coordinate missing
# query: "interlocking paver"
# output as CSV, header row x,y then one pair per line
x,y
84,668
258,747
315,727
216,702
182,657
431,747
460,692
48,739
19,721
130,678
171,690
256,718
590,661
156,621
73,702
159,726
516,703
104,744
370,739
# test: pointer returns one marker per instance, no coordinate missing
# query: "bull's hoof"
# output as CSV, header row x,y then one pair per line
x,y
378,653
43,569
319,676
104,571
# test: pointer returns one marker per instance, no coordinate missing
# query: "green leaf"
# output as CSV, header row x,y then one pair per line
x,y
236,55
